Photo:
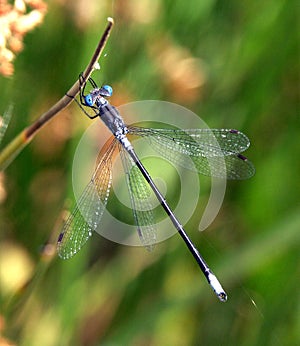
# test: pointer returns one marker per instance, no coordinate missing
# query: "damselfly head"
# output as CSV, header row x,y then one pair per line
x,y
98,94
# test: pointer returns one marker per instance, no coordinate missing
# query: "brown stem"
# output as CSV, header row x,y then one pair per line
x,y
24,137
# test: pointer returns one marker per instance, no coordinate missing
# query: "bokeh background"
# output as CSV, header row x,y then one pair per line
x,y
236,64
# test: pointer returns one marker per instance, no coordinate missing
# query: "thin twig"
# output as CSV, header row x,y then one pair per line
x,y
8,154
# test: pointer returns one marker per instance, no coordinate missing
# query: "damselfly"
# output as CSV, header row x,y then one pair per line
x,y
204,146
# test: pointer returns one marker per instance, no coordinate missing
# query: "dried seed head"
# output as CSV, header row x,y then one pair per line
x,y
15,21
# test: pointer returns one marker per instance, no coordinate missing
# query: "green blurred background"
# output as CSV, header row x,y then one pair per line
x,y
236,64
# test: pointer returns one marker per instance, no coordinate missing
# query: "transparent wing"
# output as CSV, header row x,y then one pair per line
x,y
87,214
139,193
198,142
213,152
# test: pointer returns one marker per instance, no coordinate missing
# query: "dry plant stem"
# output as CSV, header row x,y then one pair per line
x,y
8,154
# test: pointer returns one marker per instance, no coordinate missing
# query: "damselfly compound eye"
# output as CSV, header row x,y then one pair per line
x,y
108,89
88,100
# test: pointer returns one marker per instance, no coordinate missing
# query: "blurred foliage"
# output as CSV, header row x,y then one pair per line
x,y
236,64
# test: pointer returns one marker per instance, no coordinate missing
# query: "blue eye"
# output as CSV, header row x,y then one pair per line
x,y
108,89
88,99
